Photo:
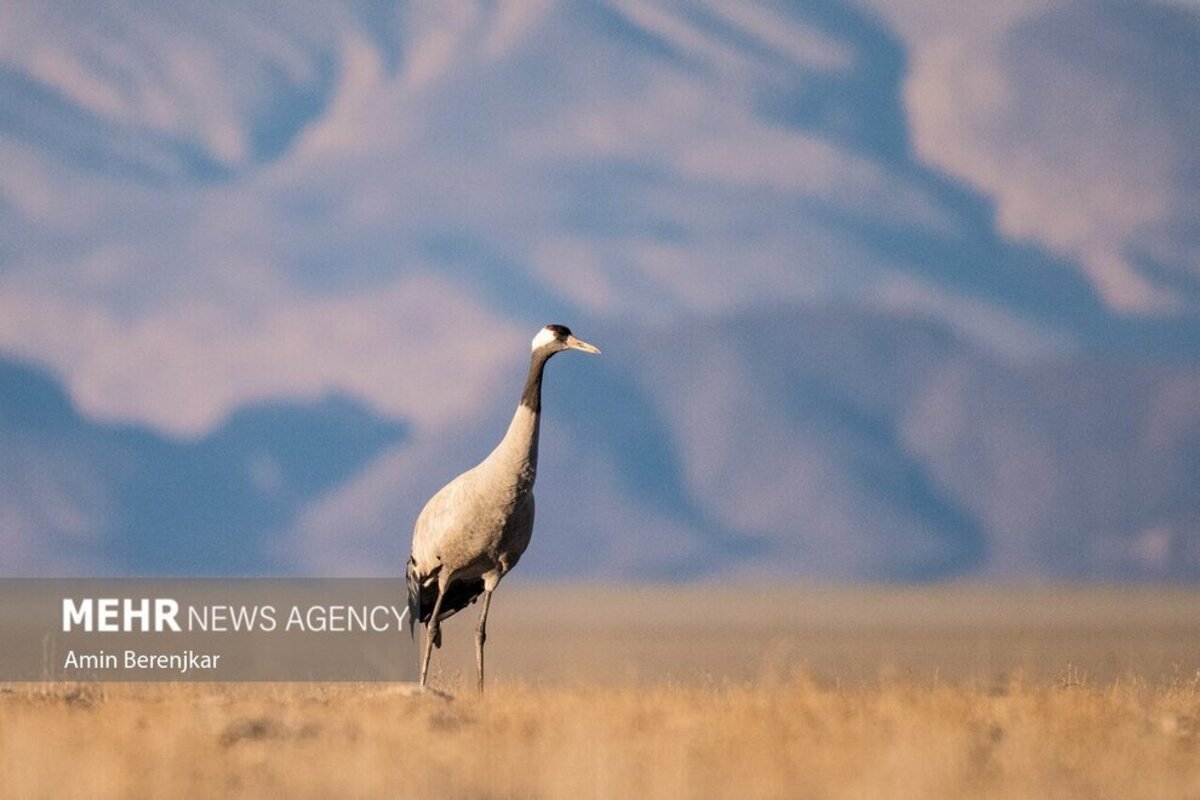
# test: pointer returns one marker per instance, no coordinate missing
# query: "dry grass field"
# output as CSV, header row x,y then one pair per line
x,y
886,693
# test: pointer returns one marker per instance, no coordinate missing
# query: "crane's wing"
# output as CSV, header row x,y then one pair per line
x,y
438,520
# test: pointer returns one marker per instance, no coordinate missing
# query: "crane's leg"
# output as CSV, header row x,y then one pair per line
x,y
481,636
431,631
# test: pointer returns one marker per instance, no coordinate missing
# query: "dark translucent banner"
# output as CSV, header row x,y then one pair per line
x,y
241,629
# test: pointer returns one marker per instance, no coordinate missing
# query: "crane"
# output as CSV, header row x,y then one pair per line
x,y
474,530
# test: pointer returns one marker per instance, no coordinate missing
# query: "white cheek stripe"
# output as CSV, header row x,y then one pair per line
x,y
545,336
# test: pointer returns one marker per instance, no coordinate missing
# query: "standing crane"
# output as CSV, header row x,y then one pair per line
x,y
474,530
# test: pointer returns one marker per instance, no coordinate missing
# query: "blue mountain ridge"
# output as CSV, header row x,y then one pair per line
x,y
212,506
849,332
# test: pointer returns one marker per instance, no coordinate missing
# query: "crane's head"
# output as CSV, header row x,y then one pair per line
x,y
556,338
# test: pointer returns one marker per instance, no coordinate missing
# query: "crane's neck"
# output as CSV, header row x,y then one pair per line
x,y
517,451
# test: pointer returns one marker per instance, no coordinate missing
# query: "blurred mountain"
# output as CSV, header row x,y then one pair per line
x,y
891,290
853,445
80,497
867,444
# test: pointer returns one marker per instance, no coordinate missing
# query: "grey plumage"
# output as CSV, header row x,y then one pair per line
x,y
475,529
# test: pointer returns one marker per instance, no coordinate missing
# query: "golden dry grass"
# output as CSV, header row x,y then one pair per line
x,y
793,739
883,693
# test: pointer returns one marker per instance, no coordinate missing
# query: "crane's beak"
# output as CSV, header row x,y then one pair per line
x,y
580,344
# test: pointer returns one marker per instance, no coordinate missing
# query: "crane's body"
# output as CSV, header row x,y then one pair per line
x,y
475,529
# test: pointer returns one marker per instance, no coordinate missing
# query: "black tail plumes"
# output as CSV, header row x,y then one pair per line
x,y
414,598
421,598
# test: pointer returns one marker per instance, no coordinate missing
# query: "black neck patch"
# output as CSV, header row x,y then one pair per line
x,y
531,396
